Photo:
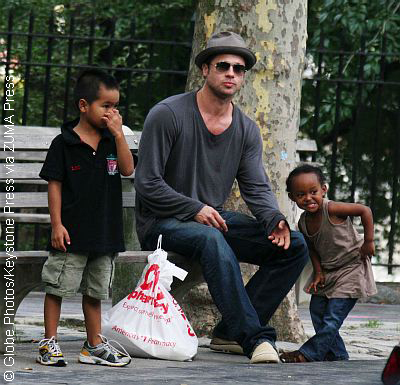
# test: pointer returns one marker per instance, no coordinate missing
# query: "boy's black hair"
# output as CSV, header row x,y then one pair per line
x,y
88,84
304,169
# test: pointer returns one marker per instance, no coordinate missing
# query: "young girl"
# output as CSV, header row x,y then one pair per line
x,y
341,260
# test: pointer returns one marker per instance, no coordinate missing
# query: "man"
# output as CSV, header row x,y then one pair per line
x,y
193,146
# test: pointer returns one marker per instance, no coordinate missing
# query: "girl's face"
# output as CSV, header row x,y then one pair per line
x,y
307,192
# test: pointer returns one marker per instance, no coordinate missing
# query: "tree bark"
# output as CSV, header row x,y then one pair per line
x,y
276,31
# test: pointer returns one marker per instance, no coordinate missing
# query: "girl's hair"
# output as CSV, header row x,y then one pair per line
x,y
304,169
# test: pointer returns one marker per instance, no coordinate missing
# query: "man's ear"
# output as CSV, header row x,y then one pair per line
x,y
83,105
291,197
205,69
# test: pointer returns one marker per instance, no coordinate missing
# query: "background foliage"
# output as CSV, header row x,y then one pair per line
x,y
140,20
343,24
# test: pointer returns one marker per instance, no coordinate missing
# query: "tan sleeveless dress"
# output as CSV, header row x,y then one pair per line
x,y
347,274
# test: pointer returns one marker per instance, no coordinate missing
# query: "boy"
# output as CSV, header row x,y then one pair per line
x,y
83,168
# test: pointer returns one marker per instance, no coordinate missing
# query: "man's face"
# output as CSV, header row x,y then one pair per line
x,y
224,75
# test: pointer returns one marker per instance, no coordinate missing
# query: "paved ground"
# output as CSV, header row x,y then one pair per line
x,y
370,333
207,368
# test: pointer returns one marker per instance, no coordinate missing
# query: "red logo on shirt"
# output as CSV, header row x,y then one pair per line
x,y
75,168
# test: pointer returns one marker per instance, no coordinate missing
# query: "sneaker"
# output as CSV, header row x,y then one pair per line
x,y
226,346
264,353
50,353
104,354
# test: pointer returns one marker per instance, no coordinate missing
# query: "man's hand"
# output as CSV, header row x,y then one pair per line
x,y
113,121
210,217
58,235
280,235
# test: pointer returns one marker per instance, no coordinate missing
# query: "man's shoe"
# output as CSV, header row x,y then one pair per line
x,y
103,354
50,353
264,353
226,346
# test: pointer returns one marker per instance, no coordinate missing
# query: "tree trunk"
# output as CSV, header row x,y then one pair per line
x,y
276,32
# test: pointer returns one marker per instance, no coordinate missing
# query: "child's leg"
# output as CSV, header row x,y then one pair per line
x,y
50,353
92,311
96,282
318,307
338,351
52,310
95,285
61,274
326,338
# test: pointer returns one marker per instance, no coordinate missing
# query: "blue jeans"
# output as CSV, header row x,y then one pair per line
x,y
327,315
245,310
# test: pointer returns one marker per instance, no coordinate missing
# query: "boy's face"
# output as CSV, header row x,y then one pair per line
x,y
307,192
107,100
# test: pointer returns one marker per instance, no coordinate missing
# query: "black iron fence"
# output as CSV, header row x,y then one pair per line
x,y
45,65
350,99
351,107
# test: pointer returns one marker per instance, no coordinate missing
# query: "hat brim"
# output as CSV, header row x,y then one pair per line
x,y
245,53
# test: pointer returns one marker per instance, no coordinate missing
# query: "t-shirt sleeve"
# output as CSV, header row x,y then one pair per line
x,y
54,164
158,137
254,183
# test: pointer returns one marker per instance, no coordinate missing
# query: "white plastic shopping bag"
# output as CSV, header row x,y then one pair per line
x,y
149,322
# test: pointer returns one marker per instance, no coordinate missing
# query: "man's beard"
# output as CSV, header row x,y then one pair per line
x,y
219,94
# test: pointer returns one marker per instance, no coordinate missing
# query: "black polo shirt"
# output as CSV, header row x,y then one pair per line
x,y
91,208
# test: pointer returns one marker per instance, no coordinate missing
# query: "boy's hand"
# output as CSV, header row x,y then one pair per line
x,y
319,280
58,235
113,121
367,249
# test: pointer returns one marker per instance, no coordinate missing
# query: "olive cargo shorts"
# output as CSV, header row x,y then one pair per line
x,y
64,274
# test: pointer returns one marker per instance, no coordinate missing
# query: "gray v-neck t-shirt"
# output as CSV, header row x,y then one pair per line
x,y
182,166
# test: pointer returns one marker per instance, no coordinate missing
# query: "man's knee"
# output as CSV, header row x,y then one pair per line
x,y
215,247
211,238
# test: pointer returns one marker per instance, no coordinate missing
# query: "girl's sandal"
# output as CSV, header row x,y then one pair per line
x,y
293,357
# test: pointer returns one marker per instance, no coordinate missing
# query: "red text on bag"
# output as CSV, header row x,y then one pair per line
x,y
146,286
179,309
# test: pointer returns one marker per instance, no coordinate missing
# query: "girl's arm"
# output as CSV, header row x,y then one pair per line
x,y
58,232
343,210
319,277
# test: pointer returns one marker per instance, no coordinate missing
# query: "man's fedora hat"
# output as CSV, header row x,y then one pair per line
x,y
226,42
